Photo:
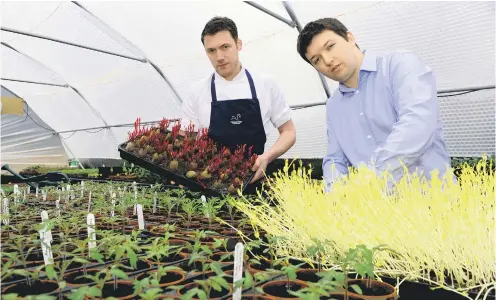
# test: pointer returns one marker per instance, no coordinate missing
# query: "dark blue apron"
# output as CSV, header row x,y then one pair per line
x,y
238,121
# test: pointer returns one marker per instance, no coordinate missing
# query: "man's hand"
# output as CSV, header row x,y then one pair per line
x,y
260,166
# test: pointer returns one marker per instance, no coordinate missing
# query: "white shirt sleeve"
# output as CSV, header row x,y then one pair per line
x,y
189,111
280,112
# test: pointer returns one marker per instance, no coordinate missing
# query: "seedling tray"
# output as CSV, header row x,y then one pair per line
x,y
193,185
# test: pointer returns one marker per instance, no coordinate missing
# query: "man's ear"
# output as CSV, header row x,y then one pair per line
x,y
239,44
351,37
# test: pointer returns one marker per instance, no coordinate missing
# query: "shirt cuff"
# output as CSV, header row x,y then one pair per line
x,y
283,118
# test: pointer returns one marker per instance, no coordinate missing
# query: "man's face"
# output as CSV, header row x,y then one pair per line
x,y
333,56
223,52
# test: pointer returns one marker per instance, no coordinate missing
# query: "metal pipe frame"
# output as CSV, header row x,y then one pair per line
x,y
61,140
8,90
477,88
39,36
34,82
111,126
443,91
295,19
65,86
144,59
291,23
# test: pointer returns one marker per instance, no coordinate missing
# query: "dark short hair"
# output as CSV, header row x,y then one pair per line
x,y
314,28
217,24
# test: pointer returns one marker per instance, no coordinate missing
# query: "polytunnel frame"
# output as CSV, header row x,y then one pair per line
x,y
27,105
66,85
293,23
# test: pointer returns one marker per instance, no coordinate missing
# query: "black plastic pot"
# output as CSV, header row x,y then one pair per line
x,y
278,289
37,287
409,290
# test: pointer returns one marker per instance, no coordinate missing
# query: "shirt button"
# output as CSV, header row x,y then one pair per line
x,y
361,114
357,92
369,136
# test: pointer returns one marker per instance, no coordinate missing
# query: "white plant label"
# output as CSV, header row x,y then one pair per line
x,y
141,219
16,193
112,212
204,203
36,192
90,220
57,205
5,211
24,195
48,233
43,195
238,269
29,189
89,202
82,189
155,202
46,248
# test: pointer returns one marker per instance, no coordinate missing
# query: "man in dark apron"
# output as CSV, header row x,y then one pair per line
x,y
237,120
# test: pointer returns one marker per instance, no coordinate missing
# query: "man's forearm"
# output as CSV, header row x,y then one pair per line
x,y
285,141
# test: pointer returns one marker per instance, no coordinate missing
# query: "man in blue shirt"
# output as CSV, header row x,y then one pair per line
x,y
385,113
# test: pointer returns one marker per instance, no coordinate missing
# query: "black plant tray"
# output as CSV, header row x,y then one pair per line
x,y
192,185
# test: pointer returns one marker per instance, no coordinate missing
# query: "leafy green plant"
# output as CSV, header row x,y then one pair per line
x,y
190,207
205,286
330,282
249,281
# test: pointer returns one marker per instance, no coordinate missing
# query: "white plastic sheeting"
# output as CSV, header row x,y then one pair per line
x,y
455,38
25,142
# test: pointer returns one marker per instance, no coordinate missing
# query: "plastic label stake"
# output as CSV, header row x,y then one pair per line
x,y
89,202
112,212
135,197
204,203
16,193
238,269
155,202
5,211
46,248
29,189
141,220
57,205
44,218
90,220
43,195
36,192
82,189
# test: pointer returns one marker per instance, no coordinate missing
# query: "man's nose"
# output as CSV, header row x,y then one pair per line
x,y
328,59
220,56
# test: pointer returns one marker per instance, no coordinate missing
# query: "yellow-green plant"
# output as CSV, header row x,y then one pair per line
x,y
441,226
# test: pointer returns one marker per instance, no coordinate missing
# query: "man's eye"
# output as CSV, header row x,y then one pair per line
x,y
226,46
330,46
315,61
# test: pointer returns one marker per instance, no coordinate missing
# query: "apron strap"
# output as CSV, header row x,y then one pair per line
x,y
252,85
250,81
212,89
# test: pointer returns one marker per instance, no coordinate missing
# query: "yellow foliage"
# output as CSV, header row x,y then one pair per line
x,y
440,225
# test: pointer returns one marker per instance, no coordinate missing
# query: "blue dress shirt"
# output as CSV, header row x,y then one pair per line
x,y
391,118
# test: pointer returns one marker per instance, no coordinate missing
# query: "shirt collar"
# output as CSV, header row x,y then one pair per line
x,y
369,64
240,76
